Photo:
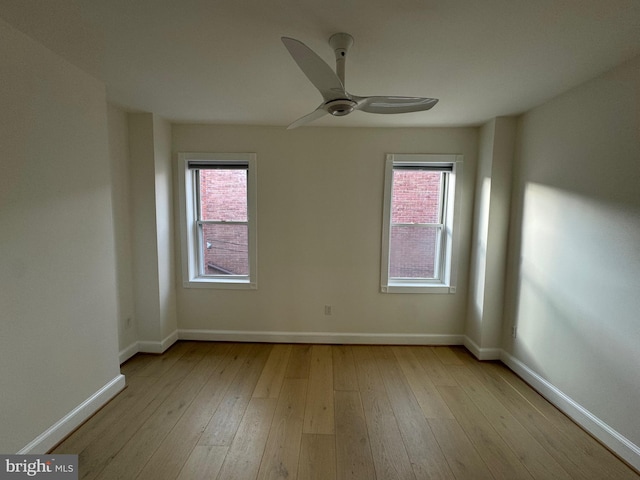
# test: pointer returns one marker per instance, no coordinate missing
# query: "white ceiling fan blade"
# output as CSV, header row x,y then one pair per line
x,y
317,113
394,104
316,69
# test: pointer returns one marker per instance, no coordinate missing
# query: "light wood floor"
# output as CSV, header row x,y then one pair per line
x,y
247,411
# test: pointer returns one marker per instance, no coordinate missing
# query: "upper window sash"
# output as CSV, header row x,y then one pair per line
x,y
197,183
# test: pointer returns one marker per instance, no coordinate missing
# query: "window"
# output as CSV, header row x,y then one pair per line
x,y
418,229
218,219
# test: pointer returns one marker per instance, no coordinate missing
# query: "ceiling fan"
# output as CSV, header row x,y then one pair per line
x,y
337,101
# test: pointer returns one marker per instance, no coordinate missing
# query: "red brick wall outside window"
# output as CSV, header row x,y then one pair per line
x,y
223,198
416,199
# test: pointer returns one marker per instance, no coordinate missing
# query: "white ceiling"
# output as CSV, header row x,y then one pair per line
x,y
223,62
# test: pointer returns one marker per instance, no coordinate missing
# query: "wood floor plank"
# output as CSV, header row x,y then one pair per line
x,y
344,369
204,462
282,451
560,446
590,451
446,355
103,449
245,452
390,457
499,458
433,366
463,354
317,457
175,449
245,382
463,458
319,410
299,361
272,375
132,458
225,421
196,414
165,361
353,452
422,447
425,391
532,455
103,420
136,364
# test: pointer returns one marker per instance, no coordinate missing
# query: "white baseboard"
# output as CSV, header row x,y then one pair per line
x,y
482,353
158,347
63,427
128,352
320,337
615,441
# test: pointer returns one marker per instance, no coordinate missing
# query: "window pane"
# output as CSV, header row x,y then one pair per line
x,y
416,196
225,249
412,251
223,195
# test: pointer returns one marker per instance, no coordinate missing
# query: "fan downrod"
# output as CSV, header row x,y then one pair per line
x,y
341,42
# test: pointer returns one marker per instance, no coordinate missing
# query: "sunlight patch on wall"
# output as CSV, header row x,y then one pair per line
x,y
578,282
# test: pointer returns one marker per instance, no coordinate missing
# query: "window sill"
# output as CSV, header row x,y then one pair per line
x,y
417,288
217,283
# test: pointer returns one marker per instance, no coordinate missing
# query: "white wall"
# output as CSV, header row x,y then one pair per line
x,y
144,228
320,194
164,223
58,308
121,200
489,244
152,230
574,276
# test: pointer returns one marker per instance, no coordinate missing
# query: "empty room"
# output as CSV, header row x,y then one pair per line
x,y
320,240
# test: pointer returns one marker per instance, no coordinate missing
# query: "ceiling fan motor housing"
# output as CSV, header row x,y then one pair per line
x,y
340,107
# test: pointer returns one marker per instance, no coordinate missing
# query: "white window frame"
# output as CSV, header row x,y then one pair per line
x,y
190,244
448,256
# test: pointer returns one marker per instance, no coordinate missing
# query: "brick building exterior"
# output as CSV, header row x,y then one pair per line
x,y
223,198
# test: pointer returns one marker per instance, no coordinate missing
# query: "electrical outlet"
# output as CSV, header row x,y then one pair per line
x,y
328,309
514,331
